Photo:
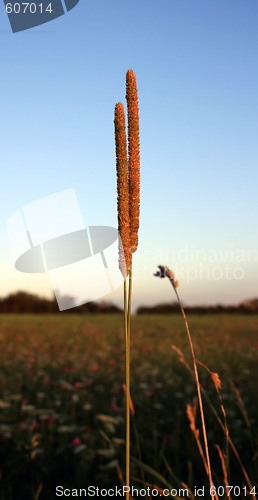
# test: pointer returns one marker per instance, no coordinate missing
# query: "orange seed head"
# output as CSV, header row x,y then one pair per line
x,y
134,157
122,189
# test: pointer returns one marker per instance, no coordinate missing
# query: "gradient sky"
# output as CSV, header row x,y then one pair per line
x,y
197,76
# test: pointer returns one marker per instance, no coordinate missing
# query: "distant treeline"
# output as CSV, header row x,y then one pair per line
x,y
23,302
247,307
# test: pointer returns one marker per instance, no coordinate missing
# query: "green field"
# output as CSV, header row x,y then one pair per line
x,y
62,400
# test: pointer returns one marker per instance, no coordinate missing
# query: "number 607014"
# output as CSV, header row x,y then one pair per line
x,y
26,7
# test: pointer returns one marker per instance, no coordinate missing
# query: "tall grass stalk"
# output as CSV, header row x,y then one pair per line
x,y
134,212
198,388
165,272
124,248
128,188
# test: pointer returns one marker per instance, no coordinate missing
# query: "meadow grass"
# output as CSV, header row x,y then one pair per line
x,y
62,411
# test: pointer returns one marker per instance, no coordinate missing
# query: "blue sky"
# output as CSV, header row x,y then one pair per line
x,y
196,69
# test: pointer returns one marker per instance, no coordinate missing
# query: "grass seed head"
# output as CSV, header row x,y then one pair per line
x,y
165,272
191,413
216,380
122,189
134,157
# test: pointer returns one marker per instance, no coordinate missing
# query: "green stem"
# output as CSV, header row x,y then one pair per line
x,y
125,311
127,376
130,294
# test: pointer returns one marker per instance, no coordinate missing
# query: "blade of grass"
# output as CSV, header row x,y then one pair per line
x,y
175,478
223,464
152,472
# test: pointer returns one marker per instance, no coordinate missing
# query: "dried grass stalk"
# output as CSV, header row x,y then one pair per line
x,y
191,413
165,272
181,359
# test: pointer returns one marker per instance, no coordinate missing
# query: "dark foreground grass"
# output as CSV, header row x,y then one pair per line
x,y
62,419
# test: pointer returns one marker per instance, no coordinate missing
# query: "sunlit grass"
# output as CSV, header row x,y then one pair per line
x,y
62,399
